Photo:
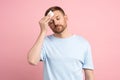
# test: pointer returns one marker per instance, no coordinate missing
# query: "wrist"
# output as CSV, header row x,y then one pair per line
x,y
43,32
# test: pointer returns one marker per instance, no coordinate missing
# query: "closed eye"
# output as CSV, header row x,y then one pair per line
x,y
58,18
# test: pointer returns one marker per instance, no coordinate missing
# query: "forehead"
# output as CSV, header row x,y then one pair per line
x,y
57,13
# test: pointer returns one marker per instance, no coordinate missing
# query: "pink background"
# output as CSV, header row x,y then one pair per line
x,y
96,20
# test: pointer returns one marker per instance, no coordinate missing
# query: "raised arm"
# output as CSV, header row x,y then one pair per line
x,y
33,56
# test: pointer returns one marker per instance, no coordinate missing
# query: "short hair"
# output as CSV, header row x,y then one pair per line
x,y
55,8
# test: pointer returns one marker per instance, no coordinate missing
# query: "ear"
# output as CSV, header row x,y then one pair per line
x,y
65,16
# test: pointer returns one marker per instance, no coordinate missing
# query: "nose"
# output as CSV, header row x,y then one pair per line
x,y
56,22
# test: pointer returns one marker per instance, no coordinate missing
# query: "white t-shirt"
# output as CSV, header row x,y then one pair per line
x,y
64,58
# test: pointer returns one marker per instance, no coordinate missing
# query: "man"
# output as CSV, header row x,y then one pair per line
x,y
65,55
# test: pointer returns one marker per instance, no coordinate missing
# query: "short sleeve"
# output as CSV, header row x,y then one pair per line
x,y
43,52
88,62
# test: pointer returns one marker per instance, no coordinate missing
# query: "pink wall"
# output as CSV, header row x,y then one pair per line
x,y
96,20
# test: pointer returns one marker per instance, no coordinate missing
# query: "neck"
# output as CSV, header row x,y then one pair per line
x,y
64,34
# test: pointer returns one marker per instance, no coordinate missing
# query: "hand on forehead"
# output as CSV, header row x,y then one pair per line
x,y
52,14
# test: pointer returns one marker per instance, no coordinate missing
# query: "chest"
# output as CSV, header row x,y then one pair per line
x,y
66,51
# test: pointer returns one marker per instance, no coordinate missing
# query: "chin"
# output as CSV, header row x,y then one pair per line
x,y
58,32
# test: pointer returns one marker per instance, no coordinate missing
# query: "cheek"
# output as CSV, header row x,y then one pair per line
x,y
51,26
63,21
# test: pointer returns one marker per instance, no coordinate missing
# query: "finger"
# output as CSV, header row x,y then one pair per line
x,y
44,18
47,20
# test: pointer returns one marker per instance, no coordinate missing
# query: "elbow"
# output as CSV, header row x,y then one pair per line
x,y
32,62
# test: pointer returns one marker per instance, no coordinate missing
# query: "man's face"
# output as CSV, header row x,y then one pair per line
x,y
58,22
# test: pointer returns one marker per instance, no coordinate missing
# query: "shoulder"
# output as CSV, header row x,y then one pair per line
x,y
48,37
79,37
83,40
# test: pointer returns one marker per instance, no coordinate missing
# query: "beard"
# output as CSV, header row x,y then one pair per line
x,y
58,29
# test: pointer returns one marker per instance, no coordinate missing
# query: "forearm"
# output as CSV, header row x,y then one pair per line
x,y
34,53
89,78
89,75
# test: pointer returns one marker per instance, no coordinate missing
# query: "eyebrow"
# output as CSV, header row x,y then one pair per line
x,y
57,15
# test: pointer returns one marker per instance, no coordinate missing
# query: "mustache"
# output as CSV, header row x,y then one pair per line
x,y
58,25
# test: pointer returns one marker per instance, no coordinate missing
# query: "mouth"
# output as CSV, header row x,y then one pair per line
x,y
58,29
58,26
